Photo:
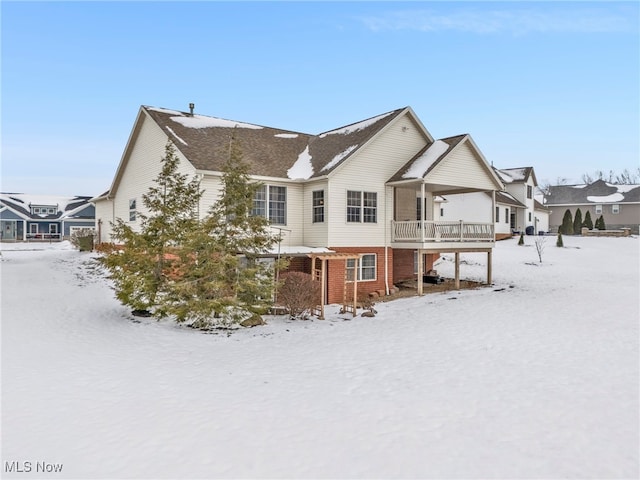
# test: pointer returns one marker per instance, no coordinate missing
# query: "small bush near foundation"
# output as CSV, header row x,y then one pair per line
x,y
299,294
521,241
559,242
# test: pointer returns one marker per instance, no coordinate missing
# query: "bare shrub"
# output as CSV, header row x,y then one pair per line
x,y
540,246
300,294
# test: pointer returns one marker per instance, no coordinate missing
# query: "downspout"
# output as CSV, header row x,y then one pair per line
x,y
386,246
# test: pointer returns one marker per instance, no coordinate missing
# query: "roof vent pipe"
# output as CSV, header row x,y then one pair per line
x,y
191,107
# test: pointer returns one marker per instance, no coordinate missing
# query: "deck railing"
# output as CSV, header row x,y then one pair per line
x,y
433,231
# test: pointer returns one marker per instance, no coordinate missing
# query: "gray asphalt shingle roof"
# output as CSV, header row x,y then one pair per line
x,y
596,192
270,152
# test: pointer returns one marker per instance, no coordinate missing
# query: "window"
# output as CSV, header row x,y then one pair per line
x,y
278,205
529,192
51,211
366,270
615,209
353,206
529,216
318,206
33,228
497,214
506,215
442,212
598,209
362,206
132,210
53,228
271,202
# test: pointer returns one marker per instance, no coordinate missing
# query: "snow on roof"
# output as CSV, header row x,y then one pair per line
x,y
302,169
355,126
421,164
516,174
335,160
297,250
614,197
286,135
504,177
165,110
39,200
202,121
175,135
623,188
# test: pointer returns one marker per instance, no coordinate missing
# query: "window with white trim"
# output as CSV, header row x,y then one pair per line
x,y
506,215
53,228
366,268
362,207
598,209
615,209
497,214
270,201
529,191
132,210
33,228
318,206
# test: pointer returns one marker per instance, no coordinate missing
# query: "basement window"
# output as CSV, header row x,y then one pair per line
x,y
366,270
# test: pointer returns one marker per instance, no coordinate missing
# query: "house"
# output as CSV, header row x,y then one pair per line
x,y
358,200
516,208
619,205
37,217
521,183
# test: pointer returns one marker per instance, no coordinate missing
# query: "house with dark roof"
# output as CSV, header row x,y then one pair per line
x,y
38,217
619,205
362,196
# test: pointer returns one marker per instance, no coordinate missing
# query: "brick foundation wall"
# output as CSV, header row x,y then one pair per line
x,y
403,268
336,272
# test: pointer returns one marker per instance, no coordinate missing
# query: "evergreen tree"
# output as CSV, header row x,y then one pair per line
x,y
224,278
521,241
142,264
587,221
600,225
577,223
567,223
559,242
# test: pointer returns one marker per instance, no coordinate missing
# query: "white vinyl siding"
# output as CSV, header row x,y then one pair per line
x,y
462,167
142,167
368,170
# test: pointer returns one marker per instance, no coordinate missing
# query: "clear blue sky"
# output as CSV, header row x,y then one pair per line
x,y
553,85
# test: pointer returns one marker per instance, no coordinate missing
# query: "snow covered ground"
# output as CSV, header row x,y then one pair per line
x,y
534,377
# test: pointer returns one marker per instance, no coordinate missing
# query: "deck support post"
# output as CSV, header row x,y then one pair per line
x,y
489,257
457,269
420,272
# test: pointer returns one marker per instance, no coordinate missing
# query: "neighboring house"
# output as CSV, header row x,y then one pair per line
x,y
521,183
515,206
37,217
481,207
619,205
369,190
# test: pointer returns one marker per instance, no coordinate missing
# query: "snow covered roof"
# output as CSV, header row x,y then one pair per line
x,y
506,198
427,158
596,192
269,152
65,207
297,250
513,175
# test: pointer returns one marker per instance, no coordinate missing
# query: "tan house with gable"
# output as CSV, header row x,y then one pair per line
x,y
366,189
